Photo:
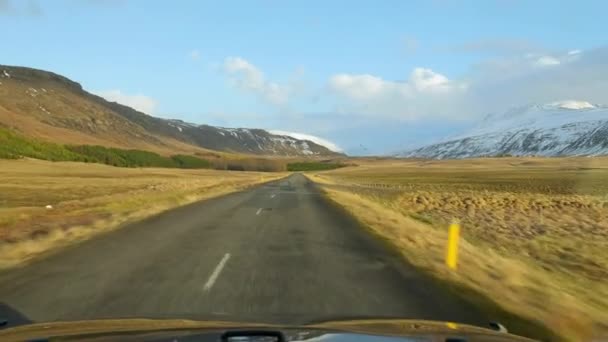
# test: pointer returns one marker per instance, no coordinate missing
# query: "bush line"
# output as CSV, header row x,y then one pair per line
x,y
15,146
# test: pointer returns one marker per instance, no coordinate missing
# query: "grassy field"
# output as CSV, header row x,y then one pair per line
x,y
535,231
87,199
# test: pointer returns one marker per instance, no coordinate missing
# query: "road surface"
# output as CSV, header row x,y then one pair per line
x,y
276,253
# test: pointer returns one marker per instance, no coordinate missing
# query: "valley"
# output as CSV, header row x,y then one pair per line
x,y
314,171
76,167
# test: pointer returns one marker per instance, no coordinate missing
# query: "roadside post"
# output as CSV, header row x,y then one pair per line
x,y
451,256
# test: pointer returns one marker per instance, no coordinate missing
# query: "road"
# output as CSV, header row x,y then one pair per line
x,y
277,253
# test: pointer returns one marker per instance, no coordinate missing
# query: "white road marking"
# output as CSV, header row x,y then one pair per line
x,y
272,196
259,211
216,272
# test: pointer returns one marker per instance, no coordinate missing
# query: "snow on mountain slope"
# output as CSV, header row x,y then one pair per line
x,y
563,128
317,140
246,140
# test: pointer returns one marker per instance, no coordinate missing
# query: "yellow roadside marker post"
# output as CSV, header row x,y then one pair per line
x,y
451,257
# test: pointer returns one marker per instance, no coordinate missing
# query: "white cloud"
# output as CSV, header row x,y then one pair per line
x,y
361,87
426,79
139,102
498,70
248,77
547,61
320,141
195,55
500,84
411,99
494,85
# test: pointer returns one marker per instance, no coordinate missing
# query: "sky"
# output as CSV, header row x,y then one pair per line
x,y
372,77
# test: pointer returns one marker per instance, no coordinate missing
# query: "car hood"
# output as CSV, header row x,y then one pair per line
x,y
386,327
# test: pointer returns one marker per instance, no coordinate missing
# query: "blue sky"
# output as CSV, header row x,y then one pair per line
x,y
372,76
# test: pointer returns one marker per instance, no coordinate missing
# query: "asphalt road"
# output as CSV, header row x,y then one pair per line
x,y
276,253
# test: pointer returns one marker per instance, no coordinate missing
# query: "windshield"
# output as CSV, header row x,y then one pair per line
x,y
289,162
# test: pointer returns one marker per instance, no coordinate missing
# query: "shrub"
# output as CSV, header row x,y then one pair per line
x,y
14,146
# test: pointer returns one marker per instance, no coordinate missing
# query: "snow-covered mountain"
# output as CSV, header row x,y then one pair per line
x,y
566,128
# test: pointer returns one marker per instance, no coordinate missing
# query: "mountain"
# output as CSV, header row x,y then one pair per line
x,y
51,107
567,128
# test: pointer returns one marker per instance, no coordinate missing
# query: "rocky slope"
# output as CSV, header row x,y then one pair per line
x,y
51,107
567,128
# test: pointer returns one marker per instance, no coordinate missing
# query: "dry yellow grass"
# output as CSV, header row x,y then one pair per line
x,y
535,231
88,199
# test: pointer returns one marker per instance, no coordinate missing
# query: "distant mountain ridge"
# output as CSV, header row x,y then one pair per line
x,y
52,107
565,128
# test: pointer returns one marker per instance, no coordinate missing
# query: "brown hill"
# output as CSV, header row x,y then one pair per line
x,y
50,107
